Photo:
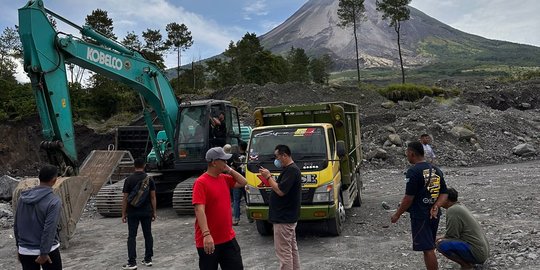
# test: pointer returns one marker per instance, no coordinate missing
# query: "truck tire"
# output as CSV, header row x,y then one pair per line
x,y
335,225
358,200
264,227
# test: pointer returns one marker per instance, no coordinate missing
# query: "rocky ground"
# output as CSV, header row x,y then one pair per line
x,y
484,125
502,198
491,123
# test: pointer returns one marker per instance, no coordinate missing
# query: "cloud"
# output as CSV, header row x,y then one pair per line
x,y
258,8
515,21
505,20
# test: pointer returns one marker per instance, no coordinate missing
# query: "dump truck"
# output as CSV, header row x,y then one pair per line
x,y
324,139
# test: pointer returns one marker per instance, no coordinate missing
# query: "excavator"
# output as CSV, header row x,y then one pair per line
x,y
178,147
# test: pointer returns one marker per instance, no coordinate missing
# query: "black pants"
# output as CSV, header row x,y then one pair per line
x,y
227,255
133,221
29,261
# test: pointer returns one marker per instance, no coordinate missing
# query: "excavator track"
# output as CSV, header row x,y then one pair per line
x,y
109,200
182,196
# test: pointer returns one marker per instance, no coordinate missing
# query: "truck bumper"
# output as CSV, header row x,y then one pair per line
x,y
307,212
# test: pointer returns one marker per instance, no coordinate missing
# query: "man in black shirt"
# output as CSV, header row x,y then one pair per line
x,y
425,193
219,130
144,214
284,206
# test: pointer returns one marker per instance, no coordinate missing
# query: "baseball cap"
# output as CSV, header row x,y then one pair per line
x,y
217,153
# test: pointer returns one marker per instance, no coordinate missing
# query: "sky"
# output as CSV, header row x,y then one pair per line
x,y
215,23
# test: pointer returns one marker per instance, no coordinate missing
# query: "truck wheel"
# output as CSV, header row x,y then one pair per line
x,y
358,200
264,227
335,225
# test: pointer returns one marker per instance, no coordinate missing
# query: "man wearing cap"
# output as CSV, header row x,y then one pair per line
x,y
214,236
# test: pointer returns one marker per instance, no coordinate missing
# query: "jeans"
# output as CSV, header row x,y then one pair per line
x,y
133,221
227,255
237,197
28,261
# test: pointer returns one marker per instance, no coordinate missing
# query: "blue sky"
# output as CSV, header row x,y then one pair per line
x,y
214,23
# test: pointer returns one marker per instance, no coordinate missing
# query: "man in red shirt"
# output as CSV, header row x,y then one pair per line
x,y
214,236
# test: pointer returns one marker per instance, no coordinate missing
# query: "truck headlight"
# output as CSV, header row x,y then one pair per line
x,y
253,195
324,193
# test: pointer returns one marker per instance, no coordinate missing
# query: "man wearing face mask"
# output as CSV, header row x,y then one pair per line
x,y
214,236
284,206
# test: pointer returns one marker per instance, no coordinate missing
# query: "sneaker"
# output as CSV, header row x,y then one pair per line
x,y
235,222
129,266
147,263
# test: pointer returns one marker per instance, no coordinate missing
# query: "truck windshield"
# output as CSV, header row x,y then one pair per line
x,y
306,144
193,132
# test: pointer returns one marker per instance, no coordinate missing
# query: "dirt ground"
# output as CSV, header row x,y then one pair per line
x,y
504,198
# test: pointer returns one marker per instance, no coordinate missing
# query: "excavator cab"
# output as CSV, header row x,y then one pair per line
x,y
196,133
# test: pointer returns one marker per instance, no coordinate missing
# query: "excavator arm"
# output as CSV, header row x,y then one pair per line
x,y
46,52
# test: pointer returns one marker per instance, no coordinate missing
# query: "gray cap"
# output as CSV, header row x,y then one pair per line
x,y
217,153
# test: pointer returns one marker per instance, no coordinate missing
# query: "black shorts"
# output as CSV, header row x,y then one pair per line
x,y
424,232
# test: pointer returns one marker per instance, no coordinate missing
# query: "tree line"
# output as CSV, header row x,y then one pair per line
x,y
243,62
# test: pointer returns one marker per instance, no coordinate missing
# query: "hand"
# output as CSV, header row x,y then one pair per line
x,y
209,247
434,212
264,172
42,259
154,216
395,217
124,219
227,169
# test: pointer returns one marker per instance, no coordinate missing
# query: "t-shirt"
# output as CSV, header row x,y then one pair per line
x,y
220,131
214,193
425,191
129,184
461,225
286,208
428,152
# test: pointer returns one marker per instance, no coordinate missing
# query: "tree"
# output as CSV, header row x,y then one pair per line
x,y
396,11
351,12
10,48
154,46
298,65
320,69
179,39
99,20
131,40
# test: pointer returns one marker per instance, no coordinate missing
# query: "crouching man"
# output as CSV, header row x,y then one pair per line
x,y
464,242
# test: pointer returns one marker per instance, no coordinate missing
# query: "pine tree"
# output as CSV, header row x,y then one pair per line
x,y
351,13
396,11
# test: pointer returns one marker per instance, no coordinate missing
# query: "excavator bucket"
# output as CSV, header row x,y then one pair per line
x,y
75,191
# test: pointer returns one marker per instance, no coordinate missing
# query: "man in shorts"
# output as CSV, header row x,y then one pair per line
x,y
425,192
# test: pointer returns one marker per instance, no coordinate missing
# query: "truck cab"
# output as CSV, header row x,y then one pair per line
x,y
325,144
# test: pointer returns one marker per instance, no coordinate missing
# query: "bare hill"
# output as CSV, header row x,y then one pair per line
x,y
425,40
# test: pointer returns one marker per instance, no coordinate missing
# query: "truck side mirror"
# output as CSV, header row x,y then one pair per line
x,y
340,148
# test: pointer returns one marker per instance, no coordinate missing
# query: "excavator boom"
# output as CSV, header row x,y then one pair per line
x,y
46,52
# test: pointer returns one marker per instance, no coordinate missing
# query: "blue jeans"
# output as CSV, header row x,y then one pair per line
x,y
133,221
237,196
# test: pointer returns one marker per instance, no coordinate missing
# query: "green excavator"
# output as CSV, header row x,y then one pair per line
x,y
178,145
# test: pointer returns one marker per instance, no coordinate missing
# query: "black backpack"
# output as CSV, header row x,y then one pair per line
x,y
138,195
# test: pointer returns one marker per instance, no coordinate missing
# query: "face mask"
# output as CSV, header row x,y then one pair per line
x,y
277,163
